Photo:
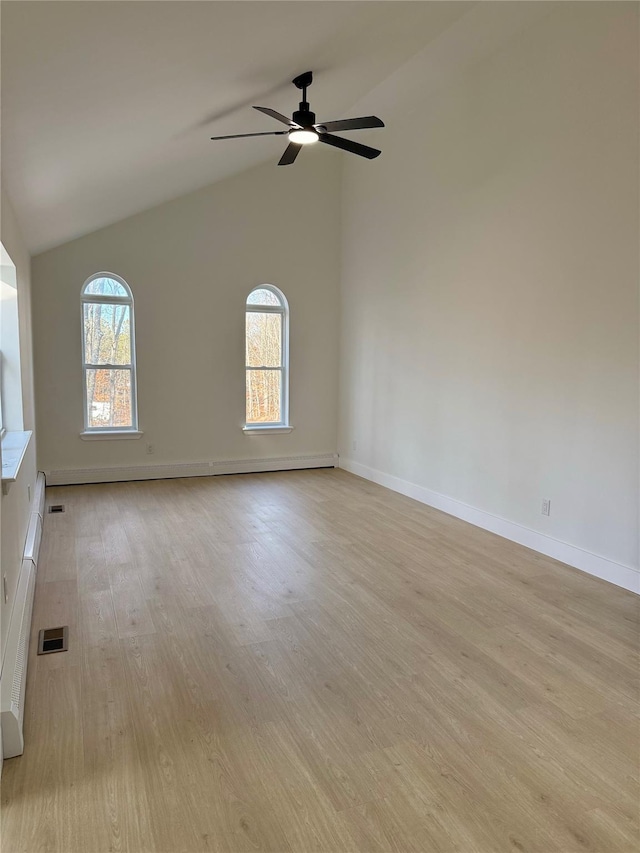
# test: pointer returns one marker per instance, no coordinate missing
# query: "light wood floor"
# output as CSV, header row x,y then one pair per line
x,y
307,662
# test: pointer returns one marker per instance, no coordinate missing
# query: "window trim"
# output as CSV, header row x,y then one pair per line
x,y
283,425
103,434
267,430
14,451
131,431
3,429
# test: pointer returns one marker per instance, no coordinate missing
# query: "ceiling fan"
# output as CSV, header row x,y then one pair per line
x,y
304,130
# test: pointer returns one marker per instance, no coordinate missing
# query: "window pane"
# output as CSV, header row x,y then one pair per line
x,y
107,333
106,287
264,340
109,398
263,396
262,296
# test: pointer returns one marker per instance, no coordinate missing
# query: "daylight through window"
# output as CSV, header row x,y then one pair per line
x,y
108,349
266,357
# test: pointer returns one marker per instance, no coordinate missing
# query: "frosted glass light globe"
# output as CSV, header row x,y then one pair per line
x,y
303,137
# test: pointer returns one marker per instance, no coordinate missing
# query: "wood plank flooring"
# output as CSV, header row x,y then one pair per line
x,y
305,661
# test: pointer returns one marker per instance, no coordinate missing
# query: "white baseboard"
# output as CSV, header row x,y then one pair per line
x,y
188,469
592,564
14,671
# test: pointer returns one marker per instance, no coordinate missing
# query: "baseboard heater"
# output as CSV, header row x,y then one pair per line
x,y
189,469
14,673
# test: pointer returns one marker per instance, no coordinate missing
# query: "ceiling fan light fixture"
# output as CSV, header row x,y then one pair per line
x,y
303,136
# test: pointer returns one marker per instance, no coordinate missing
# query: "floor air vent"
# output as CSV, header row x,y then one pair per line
x,y
56,508
53,640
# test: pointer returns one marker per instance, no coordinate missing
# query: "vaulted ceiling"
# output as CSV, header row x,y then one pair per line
x,y
107,107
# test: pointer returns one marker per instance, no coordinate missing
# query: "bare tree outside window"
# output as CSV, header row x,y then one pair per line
x,y
109,370
265,359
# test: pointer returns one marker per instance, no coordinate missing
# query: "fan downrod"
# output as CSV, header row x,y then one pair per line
x,y
303,116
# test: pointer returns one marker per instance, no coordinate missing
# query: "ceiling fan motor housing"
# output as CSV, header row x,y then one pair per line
x,y
304,117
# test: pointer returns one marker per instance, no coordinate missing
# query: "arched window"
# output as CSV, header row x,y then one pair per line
x,y
267,358
108,355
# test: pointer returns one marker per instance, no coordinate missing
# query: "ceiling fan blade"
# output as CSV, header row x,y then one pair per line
x,y
348,145
352,123
276,116
242,135
290,153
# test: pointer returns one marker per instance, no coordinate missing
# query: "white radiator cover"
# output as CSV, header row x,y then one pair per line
x,y
14,673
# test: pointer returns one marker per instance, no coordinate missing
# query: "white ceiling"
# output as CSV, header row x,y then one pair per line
x,y
107,107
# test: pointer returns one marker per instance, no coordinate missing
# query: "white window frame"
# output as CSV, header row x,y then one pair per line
x,y
86,298
2,426
282,309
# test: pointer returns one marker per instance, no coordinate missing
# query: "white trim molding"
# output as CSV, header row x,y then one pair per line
x,y
275,429
593,564
77,476
14,449
109,435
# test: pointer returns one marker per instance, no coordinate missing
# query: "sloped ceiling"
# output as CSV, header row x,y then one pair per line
x,y
107,107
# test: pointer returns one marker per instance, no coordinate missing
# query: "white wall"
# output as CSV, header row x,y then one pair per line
x,y
489,345
16,505
191,263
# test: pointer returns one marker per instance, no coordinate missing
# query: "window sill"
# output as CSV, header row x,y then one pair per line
x,y
266,430
109,435
14,448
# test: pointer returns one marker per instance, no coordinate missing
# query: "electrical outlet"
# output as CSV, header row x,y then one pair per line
x,y
546,506
151,448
